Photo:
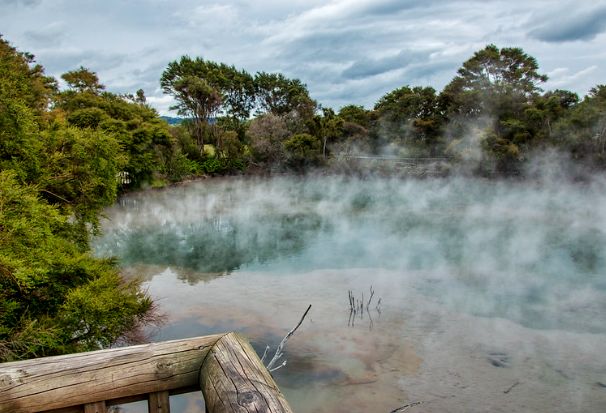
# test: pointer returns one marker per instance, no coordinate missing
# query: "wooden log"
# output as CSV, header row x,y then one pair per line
x,y
77,379
97,407
158,402
233,379
72,409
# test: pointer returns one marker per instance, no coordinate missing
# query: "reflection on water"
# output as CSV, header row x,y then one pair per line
x,y
483,285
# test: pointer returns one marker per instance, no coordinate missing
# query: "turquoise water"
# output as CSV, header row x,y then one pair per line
x,y
525,260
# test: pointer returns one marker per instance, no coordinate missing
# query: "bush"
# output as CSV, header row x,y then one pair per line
x,y
214,166
55,297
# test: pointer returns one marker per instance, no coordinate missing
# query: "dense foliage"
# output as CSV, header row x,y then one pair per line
x,y
61,154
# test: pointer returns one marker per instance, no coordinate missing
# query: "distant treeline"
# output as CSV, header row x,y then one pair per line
x,y
66,154
492,119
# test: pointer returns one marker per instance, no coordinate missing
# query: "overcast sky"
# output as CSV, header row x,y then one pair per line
x,y
346,51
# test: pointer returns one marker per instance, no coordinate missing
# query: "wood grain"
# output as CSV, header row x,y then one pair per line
x,y
158,402
97,407
78,379
233,379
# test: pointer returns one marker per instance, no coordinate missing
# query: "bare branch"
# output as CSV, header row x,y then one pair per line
x,y
279,353
406,407
372,293
510,388
279,367
264,354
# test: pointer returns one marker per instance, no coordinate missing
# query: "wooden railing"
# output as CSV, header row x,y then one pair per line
x,y
224,367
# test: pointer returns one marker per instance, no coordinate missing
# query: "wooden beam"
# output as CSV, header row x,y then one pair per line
x,y
233,379
97,407
71,409
77,379
158,402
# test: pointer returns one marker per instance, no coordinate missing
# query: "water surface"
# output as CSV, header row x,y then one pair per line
x,y
493,294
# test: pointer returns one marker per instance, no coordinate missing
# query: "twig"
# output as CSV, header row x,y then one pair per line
x,y
406,407
279,353
511,387
264,354
372,293
279,367
55,195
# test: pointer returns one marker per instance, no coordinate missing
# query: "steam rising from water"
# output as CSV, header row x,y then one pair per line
x,y
484,284
532,253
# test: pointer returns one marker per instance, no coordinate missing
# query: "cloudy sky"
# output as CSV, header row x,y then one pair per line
x,y
346,51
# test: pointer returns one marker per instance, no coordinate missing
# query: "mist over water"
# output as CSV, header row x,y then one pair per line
x,y
497,282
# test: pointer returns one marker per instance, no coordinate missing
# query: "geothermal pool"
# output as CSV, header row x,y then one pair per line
x,y
493,294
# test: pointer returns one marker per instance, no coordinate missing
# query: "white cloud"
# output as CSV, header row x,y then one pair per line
x,y
346,51
562,78
161,103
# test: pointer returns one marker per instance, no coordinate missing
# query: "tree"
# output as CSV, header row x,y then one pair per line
x,y
280,96
491,80
266,134
24,81
204,90
234,87
355,114
83,80
581,131
54,296
303,151
140,97
547,110
143,138
492,91
327,127
199,101
81,179
413,117
25,94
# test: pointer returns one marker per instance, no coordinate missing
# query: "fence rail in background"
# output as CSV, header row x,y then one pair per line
x,y
428,164
224,367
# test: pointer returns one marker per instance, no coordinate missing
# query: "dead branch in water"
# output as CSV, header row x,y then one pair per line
x,y
278,354
372,293
357,307
511,387
264,354
406,407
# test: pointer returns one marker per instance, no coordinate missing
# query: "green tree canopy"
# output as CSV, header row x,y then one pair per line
x,y
144,144
355,114
25,94
235,88
412,118
491,80
279,95
303,151
581,131
83,80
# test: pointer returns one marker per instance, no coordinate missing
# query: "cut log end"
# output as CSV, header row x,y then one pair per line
x,y
233,378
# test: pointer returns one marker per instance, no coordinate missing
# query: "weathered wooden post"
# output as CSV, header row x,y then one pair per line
x,y
233,379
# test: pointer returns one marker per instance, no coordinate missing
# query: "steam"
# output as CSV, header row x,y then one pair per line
x,y
530,252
